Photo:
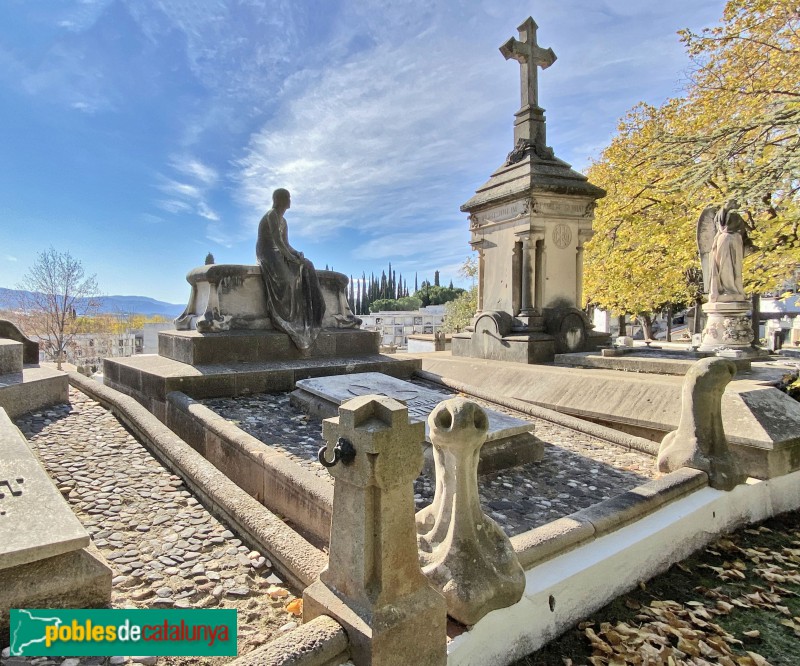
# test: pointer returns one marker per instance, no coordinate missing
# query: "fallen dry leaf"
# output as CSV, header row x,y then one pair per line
x,y
295,607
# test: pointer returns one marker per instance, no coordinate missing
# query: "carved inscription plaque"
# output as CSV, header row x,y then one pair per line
x,y
509,211
562,236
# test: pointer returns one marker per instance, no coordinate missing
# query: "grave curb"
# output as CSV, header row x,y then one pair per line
x,y
320,642
294,492
294,557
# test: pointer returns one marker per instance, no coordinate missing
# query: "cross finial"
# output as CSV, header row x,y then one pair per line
x,y
530,56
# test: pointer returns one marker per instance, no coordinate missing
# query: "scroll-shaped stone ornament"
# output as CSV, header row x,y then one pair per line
x,y
464,553
699,442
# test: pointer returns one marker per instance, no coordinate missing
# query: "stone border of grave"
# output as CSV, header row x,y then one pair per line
x,y
273,478
294,557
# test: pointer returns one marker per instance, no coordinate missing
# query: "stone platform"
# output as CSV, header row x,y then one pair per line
x,y
258,346
149,378
32,388
762,424
40,535
510,441
639,359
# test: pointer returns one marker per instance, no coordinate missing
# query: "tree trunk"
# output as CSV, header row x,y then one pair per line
x,y
669,323
647,325
621,322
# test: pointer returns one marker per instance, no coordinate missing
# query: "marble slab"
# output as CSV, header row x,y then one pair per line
x,y
35,520
419,400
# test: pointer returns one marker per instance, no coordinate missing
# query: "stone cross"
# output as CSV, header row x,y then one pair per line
x,y
530,55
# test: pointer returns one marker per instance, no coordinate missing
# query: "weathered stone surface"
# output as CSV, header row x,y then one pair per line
x,y
10,356
35,521
762,424
83,580
463,552
373,584
231,297
9,331
699,441
32,389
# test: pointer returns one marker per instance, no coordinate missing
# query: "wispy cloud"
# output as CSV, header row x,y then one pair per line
x,y
9,257
194,168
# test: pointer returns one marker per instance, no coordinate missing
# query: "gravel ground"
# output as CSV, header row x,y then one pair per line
x,y
577,470
164,548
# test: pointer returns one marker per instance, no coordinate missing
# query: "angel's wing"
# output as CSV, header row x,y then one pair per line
x,y
706,230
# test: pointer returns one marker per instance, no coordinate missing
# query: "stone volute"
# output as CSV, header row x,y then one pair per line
x,y
373,585
464,553
699,441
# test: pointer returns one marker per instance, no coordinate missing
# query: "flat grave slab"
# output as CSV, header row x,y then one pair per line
x,y
35,520
510,440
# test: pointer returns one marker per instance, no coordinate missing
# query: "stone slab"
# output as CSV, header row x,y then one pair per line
x,y
760,421
10,356
510,440
35,520
639,360
83,581
32,389
197,348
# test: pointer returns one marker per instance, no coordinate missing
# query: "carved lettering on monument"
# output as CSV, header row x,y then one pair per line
x,y
562,236
14,488
503,213
564,207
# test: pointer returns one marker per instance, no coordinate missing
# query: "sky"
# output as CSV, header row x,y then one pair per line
x,y
139,135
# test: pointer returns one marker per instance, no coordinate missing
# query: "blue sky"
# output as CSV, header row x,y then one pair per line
x,y
141,134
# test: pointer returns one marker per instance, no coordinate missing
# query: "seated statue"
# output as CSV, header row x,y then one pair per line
x,y
294,299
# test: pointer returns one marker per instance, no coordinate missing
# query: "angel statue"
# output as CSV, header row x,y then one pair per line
x,y
723,243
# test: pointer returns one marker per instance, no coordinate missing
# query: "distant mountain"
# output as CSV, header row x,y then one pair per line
x,y
112,304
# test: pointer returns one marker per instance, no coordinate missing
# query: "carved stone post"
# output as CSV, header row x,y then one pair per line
x,y
699,441
373,585
463,552
526,305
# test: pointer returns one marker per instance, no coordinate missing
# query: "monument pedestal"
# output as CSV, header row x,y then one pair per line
x,y
729,327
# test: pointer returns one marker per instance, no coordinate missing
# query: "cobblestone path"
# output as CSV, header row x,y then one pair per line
x,y
577,471
165,549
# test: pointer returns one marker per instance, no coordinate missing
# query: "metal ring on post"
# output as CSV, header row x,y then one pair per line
x,y
343,451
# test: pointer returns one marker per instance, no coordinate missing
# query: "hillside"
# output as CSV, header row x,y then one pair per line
x,y
111,304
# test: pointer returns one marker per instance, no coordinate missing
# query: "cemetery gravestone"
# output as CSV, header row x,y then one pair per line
x,y
529,223
510,441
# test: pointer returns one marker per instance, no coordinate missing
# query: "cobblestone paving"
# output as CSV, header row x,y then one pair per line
x,y
164,548
577,470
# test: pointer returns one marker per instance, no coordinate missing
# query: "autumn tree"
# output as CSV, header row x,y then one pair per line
x,y
459,312
733,135
56,296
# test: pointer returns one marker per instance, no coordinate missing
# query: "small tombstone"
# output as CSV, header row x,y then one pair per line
x,y
373,585
464,553
624,341
699,441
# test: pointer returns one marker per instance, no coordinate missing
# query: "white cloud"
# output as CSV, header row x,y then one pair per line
x,y
203,210
9,257
194,168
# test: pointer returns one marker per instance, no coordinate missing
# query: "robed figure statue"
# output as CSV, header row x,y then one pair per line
x,y
723,243
294,298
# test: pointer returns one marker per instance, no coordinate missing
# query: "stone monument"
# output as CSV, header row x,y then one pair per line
x,y
723,243
529,223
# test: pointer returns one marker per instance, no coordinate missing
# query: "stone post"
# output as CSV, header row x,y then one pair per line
x,y
526,306
699,441
463,552
373,585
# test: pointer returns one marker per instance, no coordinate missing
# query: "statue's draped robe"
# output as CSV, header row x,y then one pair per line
x,y
294,298
727,254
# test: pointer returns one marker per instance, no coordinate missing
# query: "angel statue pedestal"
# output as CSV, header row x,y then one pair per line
x,y
728,326
722,241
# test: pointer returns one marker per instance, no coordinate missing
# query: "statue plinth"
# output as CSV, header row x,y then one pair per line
x,y
728,326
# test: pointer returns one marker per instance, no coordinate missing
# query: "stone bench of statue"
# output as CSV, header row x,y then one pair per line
x,y
230,297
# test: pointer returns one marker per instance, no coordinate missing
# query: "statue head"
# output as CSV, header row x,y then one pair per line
x,y
281,198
